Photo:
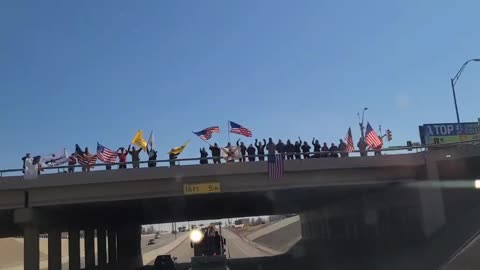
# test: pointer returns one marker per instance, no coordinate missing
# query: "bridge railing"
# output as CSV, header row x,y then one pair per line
x,y
191,161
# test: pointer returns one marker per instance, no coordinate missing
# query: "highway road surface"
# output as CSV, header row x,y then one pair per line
x,y
237,247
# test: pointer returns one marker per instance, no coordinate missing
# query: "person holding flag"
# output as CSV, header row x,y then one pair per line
x,y
135,156
174,152
152,154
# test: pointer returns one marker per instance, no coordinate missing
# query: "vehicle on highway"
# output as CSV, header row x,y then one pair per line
x,y
164,262
207,242
151,242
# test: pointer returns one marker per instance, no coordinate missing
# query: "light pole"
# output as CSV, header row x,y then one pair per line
x,y
360,122
454,80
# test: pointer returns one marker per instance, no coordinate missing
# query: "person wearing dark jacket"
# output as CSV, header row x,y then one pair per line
x,y
260,149
306,150
172,157
203,156
243,150
333,151
215,153
280,147
342,148
289,149
298,148
152,158
362,146
271,147
316,148
251,152
135,156
324,150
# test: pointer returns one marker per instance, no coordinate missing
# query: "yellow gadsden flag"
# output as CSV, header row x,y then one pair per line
x,y
139,141
178,150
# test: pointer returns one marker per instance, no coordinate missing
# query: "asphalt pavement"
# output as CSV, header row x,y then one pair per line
x,y
237,247
163,240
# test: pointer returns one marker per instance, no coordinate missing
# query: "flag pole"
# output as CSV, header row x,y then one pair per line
x,y
228,130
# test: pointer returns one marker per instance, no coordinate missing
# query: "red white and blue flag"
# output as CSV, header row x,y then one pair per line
x,y
276,167
239,129
206,134
349,141
371,137
106,155
83,158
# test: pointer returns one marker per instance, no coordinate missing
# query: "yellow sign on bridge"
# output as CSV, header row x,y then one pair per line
x,y
201,188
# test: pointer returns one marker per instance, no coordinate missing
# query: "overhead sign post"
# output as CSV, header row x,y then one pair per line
x,y
449,132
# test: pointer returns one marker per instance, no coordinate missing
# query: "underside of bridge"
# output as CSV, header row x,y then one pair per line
x,y
385,225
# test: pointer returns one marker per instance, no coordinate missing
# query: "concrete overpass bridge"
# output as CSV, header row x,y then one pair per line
x,y
357,201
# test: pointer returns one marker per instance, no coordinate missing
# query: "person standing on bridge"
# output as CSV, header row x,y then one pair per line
x,y
72,160
342,148
152,157
362,146
251,152
324,150
333,151
203,156
135,156
215,153
27,155
260,149
281,148
243,150
316,148
271,147
298,148
306,150
172,157
289,149
122,158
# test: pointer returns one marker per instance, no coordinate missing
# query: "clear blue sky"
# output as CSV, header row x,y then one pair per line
x,y
87,71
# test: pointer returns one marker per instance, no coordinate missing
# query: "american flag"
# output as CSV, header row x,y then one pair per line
x,y
82,158
206,134
106,155
371,137
86,160
238,129
276,169
349,141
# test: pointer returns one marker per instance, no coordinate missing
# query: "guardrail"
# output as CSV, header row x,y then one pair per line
x,y
177,162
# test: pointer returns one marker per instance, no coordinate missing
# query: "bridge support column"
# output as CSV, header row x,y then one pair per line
x,y
73,249
112,248
431,198
129,252
89,249
363,231
31,250
54,249
101,248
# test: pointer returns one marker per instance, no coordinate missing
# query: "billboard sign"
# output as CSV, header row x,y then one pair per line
x,y
449,132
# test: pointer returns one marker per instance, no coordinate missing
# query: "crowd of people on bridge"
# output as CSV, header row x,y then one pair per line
x,y
260,150
299,149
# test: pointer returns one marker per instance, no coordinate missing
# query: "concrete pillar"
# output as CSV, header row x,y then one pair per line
x,y
431,199
112,247
54,250
74,249
31,250
101,248
89,249
129,252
